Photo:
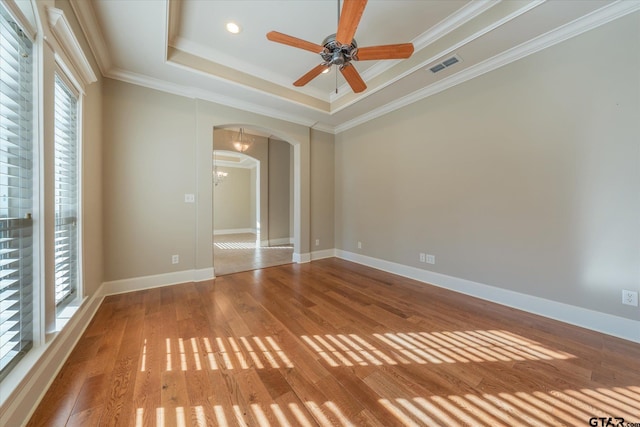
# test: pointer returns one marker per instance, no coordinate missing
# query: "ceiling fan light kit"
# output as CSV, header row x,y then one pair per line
x,y
341,48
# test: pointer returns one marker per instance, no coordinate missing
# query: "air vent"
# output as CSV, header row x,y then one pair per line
x,y
449,62
437,68
445,64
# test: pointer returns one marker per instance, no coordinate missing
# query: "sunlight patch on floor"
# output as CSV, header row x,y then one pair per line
x,y
353,350
247,245
428,347
219,353
307,415
555,407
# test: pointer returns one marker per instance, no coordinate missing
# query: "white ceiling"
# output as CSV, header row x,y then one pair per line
x,y
181,46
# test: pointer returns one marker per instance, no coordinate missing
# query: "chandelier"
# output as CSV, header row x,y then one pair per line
x,y
218,175
242,143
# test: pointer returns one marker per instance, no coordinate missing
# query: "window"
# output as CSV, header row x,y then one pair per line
x,y
66,193
16,194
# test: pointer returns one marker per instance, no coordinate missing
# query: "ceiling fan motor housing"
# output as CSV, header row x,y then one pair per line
x,y
335,53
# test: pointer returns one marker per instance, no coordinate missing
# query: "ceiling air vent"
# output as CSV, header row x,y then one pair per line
x,y
445,64
437,68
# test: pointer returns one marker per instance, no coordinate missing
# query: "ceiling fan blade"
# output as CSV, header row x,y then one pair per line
x,y
389,51
349,19
277,37
353,78
315,72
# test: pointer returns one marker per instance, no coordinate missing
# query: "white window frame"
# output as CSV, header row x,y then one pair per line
x,y
61,305
69,307
55,50
15,15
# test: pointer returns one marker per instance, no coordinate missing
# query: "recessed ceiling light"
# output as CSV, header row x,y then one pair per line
x,y
233,28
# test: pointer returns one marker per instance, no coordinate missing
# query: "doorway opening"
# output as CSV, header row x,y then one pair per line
x,y
252,201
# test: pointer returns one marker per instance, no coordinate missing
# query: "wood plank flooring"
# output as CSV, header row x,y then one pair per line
x,y
334,343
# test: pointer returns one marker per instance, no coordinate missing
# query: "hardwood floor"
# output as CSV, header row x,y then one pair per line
x,y
334,343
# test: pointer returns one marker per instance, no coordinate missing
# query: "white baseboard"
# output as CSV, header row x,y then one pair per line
x,y
45,362
156,281
234,231
41,365
203,274
601,322
326,253
281,241
301,258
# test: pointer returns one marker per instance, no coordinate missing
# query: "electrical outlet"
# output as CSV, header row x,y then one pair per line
x,y
359,245
630,298
430,259
189,198
175,259
423,257
317,242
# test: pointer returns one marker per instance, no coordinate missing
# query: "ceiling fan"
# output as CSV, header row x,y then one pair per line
x,y
341,48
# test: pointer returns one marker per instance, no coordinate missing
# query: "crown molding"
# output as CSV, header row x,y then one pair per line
x,y
614,10
196,93
63,34
206,53
451,49
451,23
323,127
174,9
91,28
588,22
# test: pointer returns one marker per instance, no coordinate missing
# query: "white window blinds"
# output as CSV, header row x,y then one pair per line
x,y
66,193
16,193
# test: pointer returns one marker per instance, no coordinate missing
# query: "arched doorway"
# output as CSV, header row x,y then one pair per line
x,y
253,198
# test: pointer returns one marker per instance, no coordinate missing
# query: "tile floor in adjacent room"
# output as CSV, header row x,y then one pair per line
x,y
233,253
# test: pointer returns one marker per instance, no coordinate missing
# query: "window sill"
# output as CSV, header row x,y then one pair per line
x,y
66,314
38,359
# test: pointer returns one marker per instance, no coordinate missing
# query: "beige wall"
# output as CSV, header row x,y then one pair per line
x,y
149,159
291,189
92,206
527,178
232,200
322,190
279,191
158,147
253,197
